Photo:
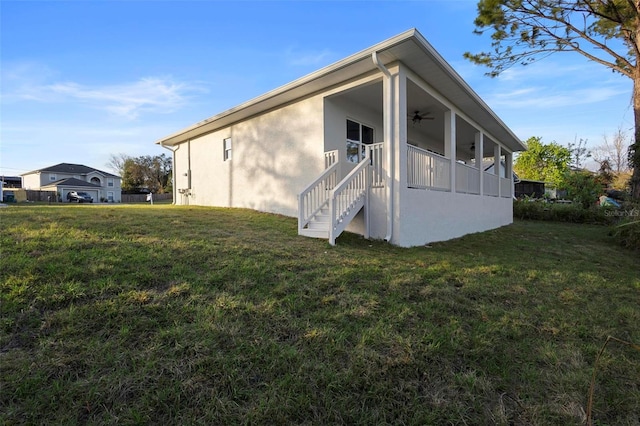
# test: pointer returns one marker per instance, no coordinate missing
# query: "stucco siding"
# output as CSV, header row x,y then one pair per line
x,y
274,156
429,216
31,181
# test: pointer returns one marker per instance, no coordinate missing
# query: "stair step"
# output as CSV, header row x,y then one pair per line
x,y
322,218
318,225
315,233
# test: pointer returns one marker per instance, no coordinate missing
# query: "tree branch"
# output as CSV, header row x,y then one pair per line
x,y
530,15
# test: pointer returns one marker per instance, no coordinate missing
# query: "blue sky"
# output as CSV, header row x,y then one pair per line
x,y
82,80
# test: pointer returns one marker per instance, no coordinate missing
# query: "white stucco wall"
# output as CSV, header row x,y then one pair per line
x,y
274,156
31,181
429,216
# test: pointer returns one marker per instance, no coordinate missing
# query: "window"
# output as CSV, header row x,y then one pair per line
x,y
52,177
110,196
227,149
358,137
95,181
110,182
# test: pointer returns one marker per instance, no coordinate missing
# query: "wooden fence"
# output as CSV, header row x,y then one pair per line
x,y
141,198
22,195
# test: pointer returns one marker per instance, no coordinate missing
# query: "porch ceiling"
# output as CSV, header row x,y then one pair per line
x,y
410,48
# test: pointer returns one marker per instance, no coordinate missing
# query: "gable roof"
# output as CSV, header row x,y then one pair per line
x,y
76,169
72,182
410,48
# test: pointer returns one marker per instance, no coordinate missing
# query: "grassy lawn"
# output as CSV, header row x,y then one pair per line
x,y
184,315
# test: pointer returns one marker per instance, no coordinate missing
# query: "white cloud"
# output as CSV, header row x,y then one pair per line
x,y
555,84
544,97
126,100
308,58
151,94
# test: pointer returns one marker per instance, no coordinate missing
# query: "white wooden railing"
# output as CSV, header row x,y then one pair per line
x,y
347,198
427,170
314,196
330,158
467,179
505,187
490,184
376,155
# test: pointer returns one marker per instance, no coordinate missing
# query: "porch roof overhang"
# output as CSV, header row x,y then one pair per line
x,y
409,48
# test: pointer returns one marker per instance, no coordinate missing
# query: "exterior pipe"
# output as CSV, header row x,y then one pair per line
x,y
173,167
388,136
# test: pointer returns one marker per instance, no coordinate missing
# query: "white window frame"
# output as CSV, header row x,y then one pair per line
x,y
227,147
52,177
110,182
110,196
358,144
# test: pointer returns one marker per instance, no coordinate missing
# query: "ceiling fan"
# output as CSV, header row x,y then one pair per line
x,y
417,117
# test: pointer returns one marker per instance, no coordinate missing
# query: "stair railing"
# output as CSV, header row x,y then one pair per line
x,y
348,197
316,195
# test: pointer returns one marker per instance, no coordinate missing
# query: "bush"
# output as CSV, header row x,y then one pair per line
x,y
574,213
628,233
627,230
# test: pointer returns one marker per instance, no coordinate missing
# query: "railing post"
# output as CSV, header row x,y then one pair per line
x,y
367,186
332,220
300,213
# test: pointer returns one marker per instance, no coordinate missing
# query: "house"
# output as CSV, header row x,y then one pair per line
x,y
64,177
385,143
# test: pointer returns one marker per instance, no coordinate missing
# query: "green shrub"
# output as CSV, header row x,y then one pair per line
x,y
627,230
574,213
627,233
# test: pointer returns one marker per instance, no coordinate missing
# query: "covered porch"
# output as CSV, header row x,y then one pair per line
x,y
440,160
440,148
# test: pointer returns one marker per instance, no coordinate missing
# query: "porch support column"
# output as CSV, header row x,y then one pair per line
x,y
450,145
496,164
400,129
508,169
399,168
479,144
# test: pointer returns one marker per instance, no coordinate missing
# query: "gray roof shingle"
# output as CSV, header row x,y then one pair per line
x,y
76,169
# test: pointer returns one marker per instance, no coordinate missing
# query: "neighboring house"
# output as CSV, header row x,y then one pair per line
x,y
374,144
64,177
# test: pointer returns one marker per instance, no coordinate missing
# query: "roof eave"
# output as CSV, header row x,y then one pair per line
x,y
465,86
208,125
277,96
